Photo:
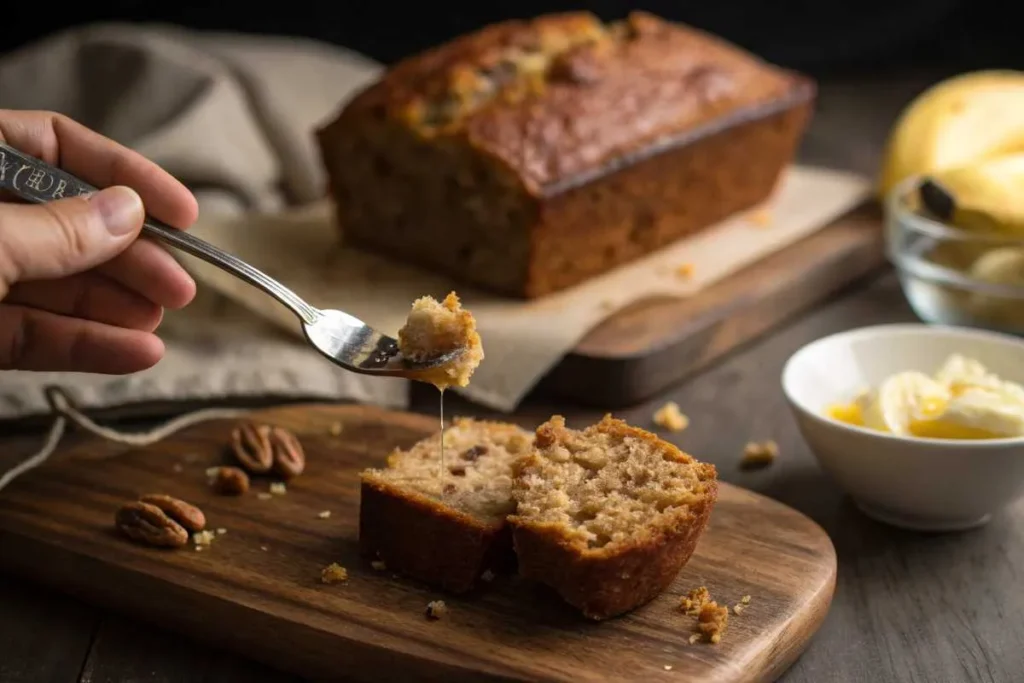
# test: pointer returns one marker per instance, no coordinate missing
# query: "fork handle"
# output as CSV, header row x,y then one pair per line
x,y
36,181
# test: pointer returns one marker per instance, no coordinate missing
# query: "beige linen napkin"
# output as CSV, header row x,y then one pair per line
x,y
233,117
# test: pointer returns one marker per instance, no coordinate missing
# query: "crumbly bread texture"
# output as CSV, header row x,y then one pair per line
x,y
607,516
435,328
532,155
444,527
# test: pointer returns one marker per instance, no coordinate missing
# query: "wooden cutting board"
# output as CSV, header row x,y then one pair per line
x,y
653,344
256,590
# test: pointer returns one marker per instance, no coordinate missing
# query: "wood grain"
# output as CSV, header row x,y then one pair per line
x,y
653,344
256,590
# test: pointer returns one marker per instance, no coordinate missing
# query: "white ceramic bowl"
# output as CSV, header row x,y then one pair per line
x,y
920,484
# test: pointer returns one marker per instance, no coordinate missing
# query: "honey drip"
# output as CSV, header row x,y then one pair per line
x,y
441,472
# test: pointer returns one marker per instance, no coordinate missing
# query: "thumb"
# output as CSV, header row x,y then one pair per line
x,y
52,240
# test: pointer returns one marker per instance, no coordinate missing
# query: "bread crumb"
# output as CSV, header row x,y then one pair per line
x,y
762,218
488,575
694,601
745,600
378,565
199,548
668,667
202,538
737,609
264,548
323,514
211,472
221,531
333,573
712,620
694,638
685,271
177,467
436,609
335,429
671,418
759,454
263,495
278,488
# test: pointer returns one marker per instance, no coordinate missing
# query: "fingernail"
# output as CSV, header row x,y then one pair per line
x,y
120,209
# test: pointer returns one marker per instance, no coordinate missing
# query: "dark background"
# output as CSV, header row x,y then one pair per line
x,y
821,37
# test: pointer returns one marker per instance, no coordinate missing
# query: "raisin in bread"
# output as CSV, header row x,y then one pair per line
x,y
532,155
444,527
607,516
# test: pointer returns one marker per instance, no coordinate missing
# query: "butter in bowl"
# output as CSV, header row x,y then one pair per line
x,y
923,426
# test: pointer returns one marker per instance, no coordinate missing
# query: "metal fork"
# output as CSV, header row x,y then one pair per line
x,y
342,338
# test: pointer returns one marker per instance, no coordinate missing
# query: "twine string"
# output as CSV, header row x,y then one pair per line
x,y
65,411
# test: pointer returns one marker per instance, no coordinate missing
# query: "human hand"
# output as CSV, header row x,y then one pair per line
x,y
78,291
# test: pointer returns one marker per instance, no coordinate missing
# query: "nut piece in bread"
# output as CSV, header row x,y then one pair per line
x,y
436,328
530,156
444,527
607,516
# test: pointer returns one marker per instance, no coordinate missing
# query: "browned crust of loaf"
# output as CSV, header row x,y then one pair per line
x,y
607,582
420,538
635,93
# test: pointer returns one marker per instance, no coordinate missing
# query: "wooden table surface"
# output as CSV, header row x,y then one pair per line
x,y
908,607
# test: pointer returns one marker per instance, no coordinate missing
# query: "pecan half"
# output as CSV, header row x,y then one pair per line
x,y
250,445
188,516
230,481
289,458
148,524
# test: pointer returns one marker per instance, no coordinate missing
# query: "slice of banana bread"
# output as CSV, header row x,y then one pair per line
x,y
607,516
444,527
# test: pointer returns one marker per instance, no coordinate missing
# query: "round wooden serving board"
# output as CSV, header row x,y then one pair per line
x,y
257,591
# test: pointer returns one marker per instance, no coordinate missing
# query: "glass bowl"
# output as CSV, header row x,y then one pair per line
x,y
952,276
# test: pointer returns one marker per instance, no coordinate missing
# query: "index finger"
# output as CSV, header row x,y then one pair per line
x,y
96,159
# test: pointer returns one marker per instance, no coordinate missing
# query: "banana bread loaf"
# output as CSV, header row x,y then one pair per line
x,y
607,516
532,155
444,527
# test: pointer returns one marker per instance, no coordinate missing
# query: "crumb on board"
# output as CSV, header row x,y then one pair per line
x,y
335,429
692,603
333,573
378,565
762,217
668,667
278,488
211,472
436,609
694,638
264,548
221,531
324,514
263,495
758,454
488,575
737,609
199,548
671,418
712,620
684,271
202,538
745,600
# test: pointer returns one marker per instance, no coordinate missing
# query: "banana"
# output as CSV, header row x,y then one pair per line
x,y
956,123
985,196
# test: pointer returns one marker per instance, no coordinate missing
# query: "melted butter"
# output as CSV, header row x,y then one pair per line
x,y
850,413
934,429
